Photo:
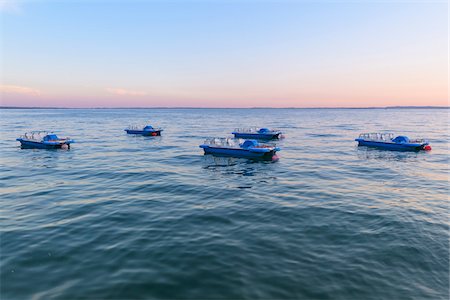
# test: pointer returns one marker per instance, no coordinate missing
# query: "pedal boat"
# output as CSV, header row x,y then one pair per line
x,y
250,149
257,133
146,130
44,140
388,142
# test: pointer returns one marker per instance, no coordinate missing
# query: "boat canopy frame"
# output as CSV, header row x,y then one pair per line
x,y
139,127
36,135
39,136
387,137
234,143
223,142
377,136
255,130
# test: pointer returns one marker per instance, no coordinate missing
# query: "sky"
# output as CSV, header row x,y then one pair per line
x,y
248,53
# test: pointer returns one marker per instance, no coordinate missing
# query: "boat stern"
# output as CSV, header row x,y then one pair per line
x,y
426,147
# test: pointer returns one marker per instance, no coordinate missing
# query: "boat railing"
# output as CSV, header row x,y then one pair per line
x,y
377,136
140,127
253,129
234,143
266,145
135,127
418,141
223,142
38,136
35,135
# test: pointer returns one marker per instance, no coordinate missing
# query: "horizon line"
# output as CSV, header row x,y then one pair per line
x,y
194,107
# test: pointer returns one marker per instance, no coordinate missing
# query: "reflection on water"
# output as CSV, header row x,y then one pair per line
x,y
42,158
374,153
211,161
241,173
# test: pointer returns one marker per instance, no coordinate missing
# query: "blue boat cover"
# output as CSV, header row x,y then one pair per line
x,y
148,127
401,139
50,137
263,130
249,143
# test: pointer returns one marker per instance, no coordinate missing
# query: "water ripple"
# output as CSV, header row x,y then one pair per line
x,y
126,217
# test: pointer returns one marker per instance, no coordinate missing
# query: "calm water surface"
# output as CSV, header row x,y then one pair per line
x,y
125,217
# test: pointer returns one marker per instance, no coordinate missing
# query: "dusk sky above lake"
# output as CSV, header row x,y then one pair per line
x,y
224,53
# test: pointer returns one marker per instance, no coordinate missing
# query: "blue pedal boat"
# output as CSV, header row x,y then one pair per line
x,y
388,142
147,130
257,133
44,140
250,149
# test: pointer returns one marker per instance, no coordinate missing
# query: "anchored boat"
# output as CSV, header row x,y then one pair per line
x,y
233,147
257,133
388,142
44,140
147,130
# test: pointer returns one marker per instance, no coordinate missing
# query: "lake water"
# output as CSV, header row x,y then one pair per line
x,y
131,217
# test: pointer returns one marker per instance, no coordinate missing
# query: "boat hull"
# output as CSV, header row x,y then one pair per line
x,y
42,145
392,146
144,132
257,136
240,153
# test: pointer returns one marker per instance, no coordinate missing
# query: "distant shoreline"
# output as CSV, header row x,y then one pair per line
x,y
386,107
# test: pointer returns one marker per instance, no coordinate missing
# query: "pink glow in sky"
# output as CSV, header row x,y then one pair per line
x,y
287,54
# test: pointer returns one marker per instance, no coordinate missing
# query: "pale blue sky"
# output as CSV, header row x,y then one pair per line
x,y
224,53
